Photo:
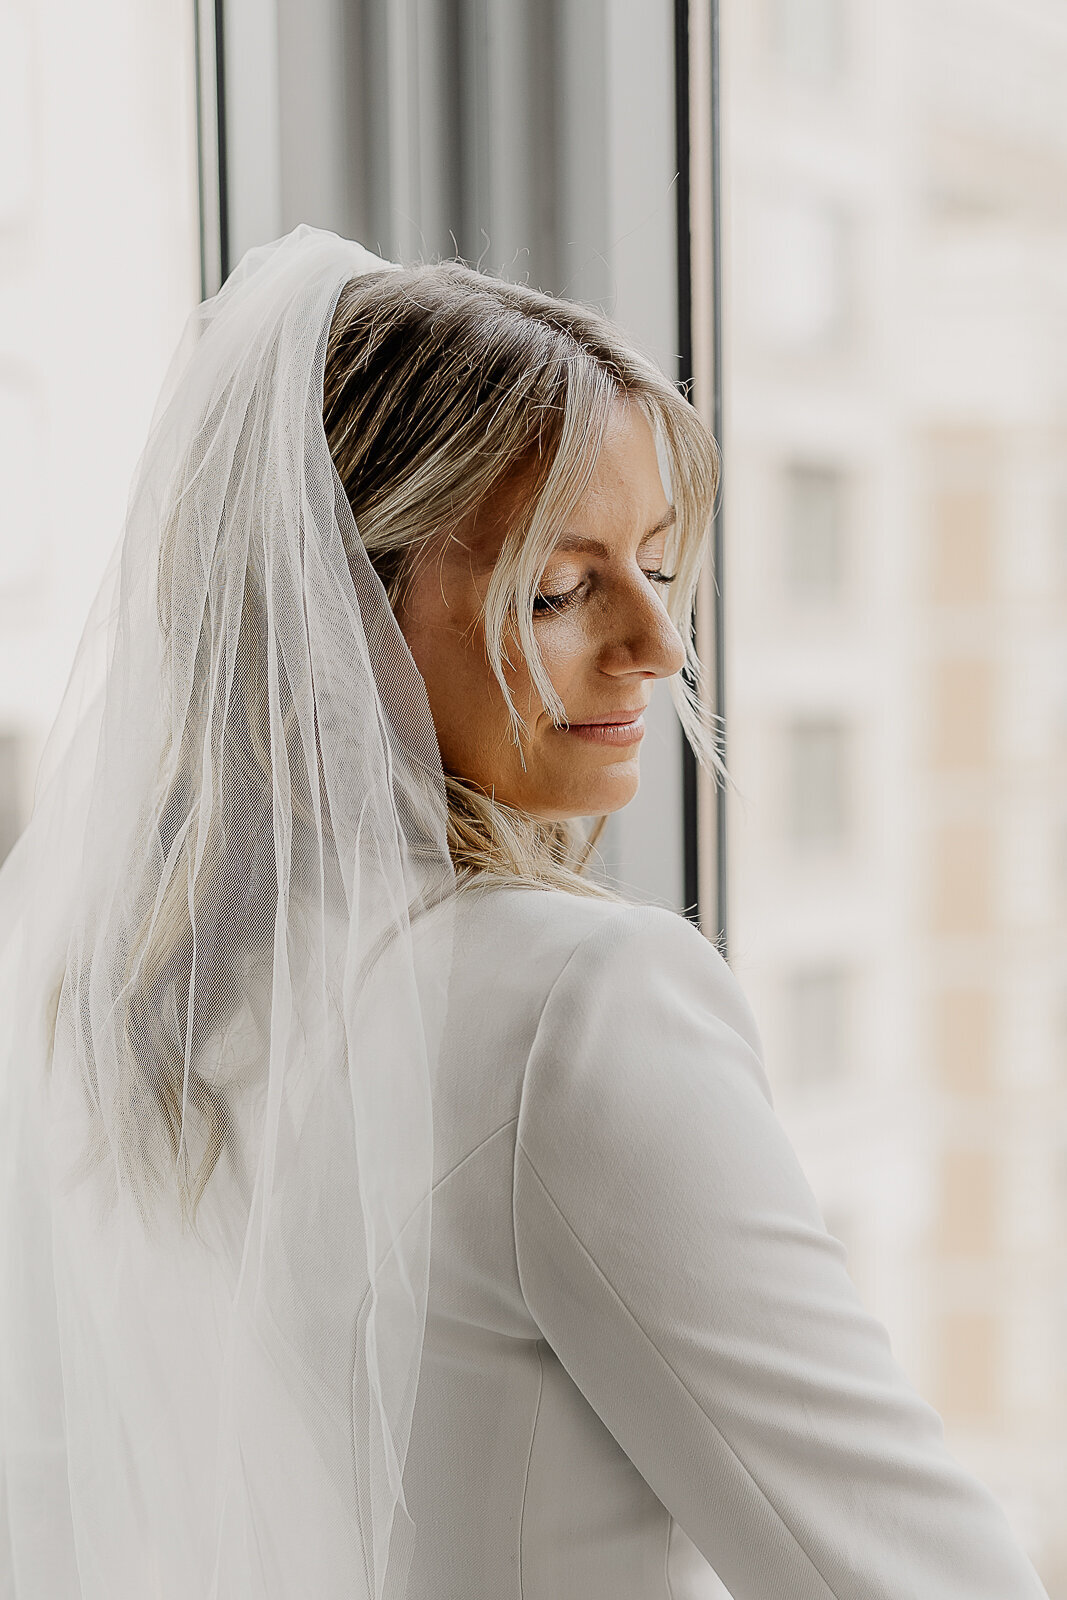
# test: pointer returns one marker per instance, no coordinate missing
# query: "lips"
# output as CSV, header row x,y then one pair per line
x,y
613,719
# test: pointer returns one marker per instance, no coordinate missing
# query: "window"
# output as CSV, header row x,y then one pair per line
x,y
967,1384
801,272
895,653
98,272
966,1220
960,473
818,783
962,703
963,1024
808,39
960,882
817,1019
814,555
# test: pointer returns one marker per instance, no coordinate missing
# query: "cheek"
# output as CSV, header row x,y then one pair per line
x,y
466,701
565,651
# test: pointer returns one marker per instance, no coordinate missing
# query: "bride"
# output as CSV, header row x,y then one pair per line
x,y
388,1208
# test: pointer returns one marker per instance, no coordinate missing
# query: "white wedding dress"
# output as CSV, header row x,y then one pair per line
x,y
647,1374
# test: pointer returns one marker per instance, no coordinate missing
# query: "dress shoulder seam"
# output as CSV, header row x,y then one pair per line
x,y
593,933
520,1149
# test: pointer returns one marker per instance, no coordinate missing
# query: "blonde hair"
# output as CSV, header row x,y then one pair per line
x,y
442,386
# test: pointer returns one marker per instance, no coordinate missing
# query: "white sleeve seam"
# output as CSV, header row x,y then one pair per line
x,y
557,980
677,1376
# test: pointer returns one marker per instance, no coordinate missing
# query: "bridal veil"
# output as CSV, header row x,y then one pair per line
x,y
219,1036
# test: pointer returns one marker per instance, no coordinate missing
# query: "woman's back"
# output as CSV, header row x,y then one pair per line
x,y
645,1363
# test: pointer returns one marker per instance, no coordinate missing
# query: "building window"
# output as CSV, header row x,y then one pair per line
x,y
818,1024
967,1386
809,39
962,472
960,879
962,705
966,1221
963,1025
801,272
814,533
818,783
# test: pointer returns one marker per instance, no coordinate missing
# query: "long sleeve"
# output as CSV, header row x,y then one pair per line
x,y
671,1250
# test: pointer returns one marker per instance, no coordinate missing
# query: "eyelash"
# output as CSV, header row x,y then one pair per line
x,y
549,604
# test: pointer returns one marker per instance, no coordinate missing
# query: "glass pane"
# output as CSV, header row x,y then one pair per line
x,y
895,228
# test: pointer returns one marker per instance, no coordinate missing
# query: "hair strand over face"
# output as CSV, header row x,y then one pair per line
x,y
444,386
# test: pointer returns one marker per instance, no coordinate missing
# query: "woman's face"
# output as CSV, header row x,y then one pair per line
x,y
603,647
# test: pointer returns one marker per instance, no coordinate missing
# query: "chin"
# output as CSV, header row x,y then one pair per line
x,y
600,799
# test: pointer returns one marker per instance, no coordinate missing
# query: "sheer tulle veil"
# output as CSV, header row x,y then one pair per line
x,y
225,940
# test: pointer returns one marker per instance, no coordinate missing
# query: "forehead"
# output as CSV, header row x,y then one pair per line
x,y
624,496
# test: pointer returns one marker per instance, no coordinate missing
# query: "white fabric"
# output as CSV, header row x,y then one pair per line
x,y
645,1361
215,1406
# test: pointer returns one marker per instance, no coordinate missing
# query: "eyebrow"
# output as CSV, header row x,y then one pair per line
x,y
578,541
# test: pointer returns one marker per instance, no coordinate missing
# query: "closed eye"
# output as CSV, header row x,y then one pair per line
x,y
549,604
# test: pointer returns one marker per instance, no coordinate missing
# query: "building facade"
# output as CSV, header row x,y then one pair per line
x,y
896,633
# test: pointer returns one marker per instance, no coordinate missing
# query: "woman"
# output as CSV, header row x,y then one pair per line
x,y
302,954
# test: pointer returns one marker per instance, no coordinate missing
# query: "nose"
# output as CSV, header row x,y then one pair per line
x,y
639,636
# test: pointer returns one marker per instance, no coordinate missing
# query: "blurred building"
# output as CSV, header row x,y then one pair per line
x,y
896,592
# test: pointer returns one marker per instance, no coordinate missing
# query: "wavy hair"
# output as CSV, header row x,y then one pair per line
x,y
443,386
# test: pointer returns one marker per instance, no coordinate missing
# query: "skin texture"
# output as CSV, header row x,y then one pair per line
x,y
603,652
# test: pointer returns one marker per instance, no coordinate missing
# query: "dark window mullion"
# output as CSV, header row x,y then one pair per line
x,y
691,779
